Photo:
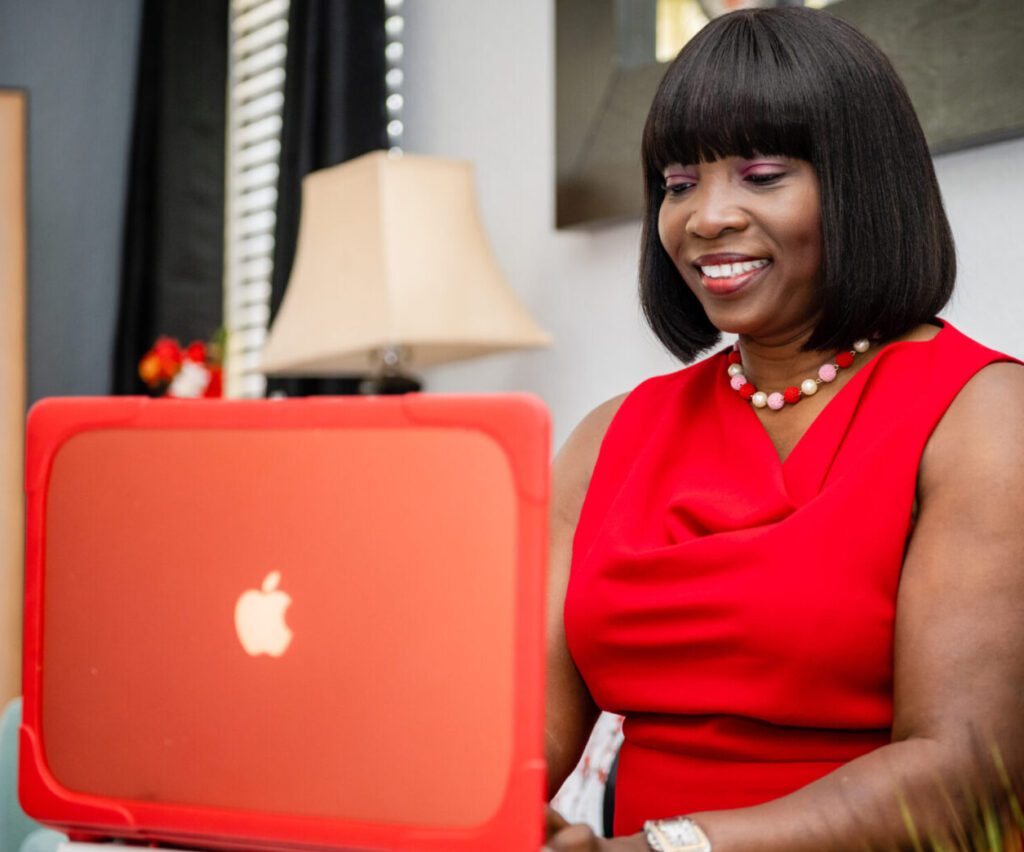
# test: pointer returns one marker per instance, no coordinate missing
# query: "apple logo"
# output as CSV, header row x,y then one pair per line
x,y
259,618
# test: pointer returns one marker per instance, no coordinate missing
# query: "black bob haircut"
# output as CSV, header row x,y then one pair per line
x,y
795,82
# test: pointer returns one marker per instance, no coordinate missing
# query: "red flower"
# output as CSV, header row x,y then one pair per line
x,y
167,349
168,353
196,352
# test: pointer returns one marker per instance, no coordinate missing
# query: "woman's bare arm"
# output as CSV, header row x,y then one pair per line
x,y
570,712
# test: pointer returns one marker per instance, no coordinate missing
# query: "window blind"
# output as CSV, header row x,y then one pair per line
x,y
256,73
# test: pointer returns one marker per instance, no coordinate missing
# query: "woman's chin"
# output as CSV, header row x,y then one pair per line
x,y
760,321
736,321
765,332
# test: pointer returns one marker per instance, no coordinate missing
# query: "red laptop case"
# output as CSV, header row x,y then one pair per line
x,y
301,624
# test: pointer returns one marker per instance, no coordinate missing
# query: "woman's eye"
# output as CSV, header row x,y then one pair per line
x,y
675,186
766,178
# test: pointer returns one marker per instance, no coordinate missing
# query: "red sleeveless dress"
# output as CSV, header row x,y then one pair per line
x,y
739,611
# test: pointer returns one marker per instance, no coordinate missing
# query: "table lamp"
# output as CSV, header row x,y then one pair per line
x,y
392,272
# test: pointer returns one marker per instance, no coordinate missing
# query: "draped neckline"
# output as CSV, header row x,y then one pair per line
x,y
805,466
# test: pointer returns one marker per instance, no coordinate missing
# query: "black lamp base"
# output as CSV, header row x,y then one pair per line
x,y
389,384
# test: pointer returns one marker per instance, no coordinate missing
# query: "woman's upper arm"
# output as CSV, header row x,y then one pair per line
x,y
959,648
570,712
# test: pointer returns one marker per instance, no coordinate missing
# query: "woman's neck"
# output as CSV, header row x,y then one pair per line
x,y
774,364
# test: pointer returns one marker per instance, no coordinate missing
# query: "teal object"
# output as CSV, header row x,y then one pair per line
x,y
42,840
18,832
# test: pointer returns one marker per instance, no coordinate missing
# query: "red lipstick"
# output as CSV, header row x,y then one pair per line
x,y
720,285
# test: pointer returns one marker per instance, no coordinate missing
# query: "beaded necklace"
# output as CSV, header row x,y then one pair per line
x,y
777,400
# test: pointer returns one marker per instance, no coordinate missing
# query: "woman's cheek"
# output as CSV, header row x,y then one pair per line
x,y
666,233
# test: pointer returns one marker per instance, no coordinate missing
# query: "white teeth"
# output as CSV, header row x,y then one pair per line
x,y
728,270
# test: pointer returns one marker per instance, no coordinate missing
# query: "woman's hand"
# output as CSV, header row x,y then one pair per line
x,y
563,837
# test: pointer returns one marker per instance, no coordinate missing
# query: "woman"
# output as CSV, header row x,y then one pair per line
x,y
794,567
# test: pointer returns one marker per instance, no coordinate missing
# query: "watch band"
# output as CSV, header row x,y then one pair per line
x,y
679,834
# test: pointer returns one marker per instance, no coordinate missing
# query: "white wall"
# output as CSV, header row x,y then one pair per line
x,y
480,86
984,193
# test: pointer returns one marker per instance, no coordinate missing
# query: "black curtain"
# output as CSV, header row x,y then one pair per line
x,y
173,249
333,111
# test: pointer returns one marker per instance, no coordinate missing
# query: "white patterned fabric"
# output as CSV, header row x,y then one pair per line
x,y
581,798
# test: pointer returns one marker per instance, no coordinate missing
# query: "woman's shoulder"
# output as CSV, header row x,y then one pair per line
x,y
990,404
666,391
978,436
935,370
576,460
956,345
985,380
574,464
584,442
590,432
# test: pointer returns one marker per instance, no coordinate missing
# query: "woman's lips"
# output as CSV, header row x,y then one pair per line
x,y
732,284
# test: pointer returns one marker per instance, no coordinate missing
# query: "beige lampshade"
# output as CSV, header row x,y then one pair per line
x,y
391,253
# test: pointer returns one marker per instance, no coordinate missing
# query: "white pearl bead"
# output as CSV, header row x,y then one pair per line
x,y
759,399
808,387
861,345
735,369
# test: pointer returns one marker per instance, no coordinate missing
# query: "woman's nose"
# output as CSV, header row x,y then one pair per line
x,y
714,212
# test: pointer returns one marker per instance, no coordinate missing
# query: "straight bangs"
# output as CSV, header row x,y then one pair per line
x,y
742,93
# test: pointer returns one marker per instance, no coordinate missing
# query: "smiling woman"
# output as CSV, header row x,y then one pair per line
x,y
789,566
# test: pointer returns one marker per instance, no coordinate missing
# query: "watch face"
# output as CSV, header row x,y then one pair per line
x,y
676,835
681,833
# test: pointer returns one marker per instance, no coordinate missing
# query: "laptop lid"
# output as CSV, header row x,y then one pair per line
x,y
297,624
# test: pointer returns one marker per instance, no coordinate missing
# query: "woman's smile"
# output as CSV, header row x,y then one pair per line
x,y
725,274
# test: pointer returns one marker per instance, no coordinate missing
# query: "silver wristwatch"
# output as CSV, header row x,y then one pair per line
x,y
679,834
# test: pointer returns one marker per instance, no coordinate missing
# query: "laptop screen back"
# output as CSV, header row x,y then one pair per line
x,y
315,622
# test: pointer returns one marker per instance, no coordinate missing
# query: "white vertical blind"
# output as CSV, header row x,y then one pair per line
x,y
256,71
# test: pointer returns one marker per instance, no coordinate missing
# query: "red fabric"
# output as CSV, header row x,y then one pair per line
x,y
739,611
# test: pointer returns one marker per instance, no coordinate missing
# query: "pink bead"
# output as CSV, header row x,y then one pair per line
x,y
775,401
737,381
826,372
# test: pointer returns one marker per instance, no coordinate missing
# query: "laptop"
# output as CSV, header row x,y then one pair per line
x,y
310,624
